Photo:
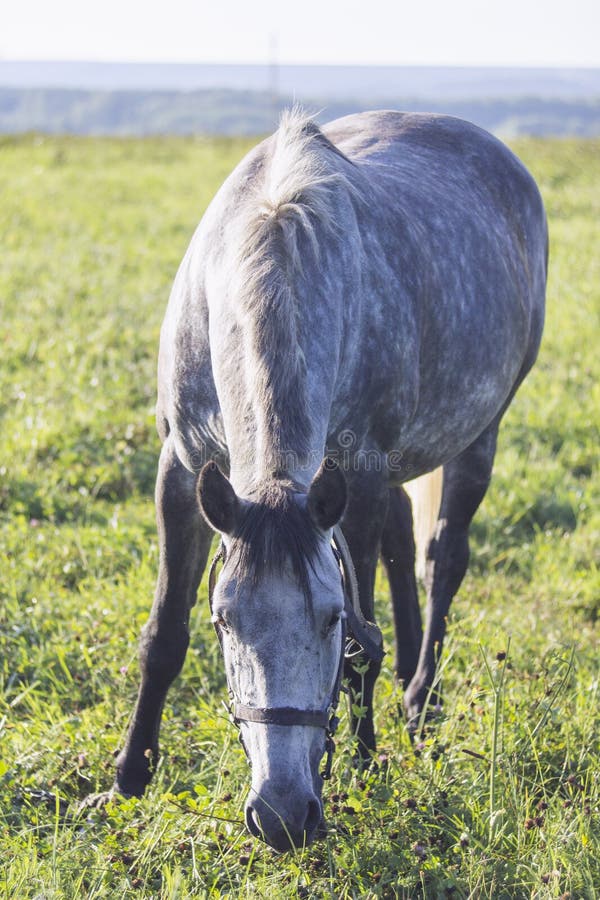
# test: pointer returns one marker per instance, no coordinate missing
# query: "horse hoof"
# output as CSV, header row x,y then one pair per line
x,y
422,720
99,801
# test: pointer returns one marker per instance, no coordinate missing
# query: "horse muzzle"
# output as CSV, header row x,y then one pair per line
x,y
284,823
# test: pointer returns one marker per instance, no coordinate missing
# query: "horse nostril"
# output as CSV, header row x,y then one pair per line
x,y
313,819
253,822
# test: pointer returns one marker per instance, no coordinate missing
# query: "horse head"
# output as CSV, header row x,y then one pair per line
x,y
278,608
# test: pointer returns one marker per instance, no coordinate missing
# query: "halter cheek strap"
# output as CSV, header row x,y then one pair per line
x,y
366,634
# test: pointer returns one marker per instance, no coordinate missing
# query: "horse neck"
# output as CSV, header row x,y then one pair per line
x,y
275,403
284,269
271,444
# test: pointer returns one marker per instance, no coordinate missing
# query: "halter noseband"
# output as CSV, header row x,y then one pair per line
x,y
366,634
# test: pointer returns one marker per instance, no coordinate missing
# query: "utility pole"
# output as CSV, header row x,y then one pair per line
x,y
273,77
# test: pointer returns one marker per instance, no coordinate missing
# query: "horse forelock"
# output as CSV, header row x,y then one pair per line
x,y
275,534
276,235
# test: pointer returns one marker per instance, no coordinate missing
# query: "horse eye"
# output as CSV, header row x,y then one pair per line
x,y
220,622
333,621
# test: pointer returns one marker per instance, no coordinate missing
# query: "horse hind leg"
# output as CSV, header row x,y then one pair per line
x,y
465,481
398,557
184,543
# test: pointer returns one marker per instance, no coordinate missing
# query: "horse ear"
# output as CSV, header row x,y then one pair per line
x,y
218,501
327,495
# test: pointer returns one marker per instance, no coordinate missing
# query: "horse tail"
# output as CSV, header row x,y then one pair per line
x,y
425,495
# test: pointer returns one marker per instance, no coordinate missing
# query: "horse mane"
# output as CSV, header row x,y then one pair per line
x,y
277,233
275,533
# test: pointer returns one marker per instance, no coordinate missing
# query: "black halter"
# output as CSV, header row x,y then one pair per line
x,y
365,634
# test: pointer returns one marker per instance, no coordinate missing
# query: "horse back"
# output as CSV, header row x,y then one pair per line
x,y
433,280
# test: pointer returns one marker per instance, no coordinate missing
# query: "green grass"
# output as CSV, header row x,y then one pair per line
x,y
501,797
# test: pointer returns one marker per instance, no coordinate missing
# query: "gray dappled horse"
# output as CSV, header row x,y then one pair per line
x,y
371,292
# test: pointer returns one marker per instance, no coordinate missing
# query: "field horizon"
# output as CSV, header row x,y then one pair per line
x,y
71,97
333,81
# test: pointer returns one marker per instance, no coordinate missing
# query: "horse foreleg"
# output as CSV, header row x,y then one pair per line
x,y
398,556
465,482
362,525
184,542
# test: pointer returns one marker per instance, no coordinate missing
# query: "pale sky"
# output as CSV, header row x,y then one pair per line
x,y
395,32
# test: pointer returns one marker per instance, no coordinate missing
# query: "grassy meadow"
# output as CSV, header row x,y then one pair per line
x,y
500,798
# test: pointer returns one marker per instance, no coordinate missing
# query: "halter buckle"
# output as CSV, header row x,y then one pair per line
x,y
333,724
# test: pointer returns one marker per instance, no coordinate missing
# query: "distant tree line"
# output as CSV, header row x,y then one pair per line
x,y
231,112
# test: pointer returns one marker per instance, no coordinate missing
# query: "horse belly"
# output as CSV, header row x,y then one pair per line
x,y
464,384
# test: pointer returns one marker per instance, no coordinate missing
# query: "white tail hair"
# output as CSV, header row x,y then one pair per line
x,y
425,495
